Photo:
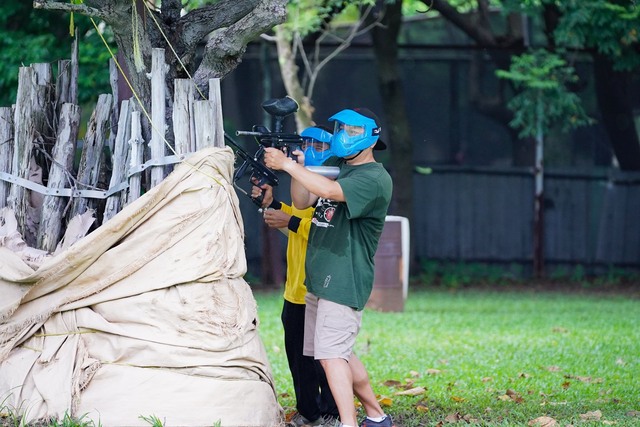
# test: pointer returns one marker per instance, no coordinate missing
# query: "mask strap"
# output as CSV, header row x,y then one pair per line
x,y
354,157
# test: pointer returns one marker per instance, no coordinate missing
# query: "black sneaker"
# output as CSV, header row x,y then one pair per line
x,y
299,421
386,422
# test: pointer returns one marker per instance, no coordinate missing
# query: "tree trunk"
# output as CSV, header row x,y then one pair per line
x,y
385,47
614,100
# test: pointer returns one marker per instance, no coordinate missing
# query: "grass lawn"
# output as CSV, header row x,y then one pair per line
x,y
492,358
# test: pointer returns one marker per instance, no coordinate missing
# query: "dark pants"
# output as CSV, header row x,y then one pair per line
x,y
313,397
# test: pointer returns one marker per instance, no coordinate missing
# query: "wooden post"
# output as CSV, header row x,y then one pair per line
x,y
183,122
94,140
158,111
63,83
73,87
136,142
120,162
24,122
203,118
6,150
115,113
59,177
215,96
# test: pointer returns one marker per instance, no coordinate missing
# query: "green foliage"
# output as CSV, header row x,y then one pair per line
x,y
613,30
306,17
543,98
30,36
610,28
152,420
16,417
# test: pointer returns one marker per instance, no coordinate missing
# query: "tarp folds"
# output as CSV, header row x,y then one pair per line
x,y
149,315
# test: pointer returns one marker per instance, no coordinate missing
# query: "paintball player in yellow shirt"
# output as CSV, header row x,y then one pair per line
x,y
314,402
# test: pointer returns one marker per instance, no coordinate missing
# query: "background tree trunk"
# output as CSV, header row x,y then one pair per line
x,y
400,144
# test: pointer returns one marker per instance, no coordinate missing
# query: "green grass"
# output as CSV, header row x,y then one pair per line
x,y
494,358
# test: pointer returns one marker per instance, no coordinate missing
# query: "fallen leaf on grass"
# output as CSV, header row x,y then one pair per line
x,y
408,383
587,380
392,383
511,395
487,379
543,422
433,371
591,416
452,418
385,401
554,368
633,414
422,408
457,418
411,392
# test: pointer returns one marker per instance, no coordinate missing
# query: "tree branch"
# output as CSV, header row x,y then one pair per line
x,y
69,7
197,24
481,35
226,46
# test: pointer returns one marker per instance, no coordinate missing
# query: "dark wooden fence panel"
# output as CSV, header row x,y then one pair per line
x,y
619,228
474,215
486,215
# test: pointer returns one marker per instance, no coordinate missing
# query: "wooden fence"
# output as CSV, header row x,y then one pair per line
x,y
486,215
39,141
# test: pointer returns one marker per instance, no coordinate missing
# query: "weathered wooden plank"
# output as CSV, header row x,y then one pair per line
x,y
6,151
183,124
215,96
63,84
158,111
116,201
136,143
115,112
90,160
24,122
73,87
59,177
203,113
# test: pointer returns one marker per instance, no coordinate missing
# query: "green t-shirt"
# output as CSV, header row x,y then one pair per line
x,y
344,236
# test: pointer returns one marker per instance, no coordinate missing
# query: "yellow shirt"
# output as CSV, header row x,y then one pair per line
x,y
294,288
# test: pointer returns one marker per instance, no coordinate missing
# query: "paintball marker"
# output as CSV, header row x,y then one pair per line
x,y
260,174
279,108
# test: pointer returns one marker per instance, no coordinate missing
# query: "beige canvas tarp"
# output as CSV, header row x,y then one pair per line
x,y
149,315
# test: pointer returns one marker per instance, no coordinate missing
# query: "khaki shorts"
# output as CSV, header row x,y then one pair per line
x,y
330,329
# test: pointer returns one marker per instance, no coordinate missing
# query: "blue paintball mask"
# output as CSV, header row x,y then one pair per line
x,y
316,144
353,132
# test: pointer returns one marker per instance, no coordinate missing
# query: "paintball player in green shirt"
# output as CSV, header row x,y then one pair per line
x,y
346,227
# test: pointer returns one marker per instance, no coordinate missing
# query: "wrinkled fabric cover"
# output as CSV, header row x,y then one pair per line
x,y
149,315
